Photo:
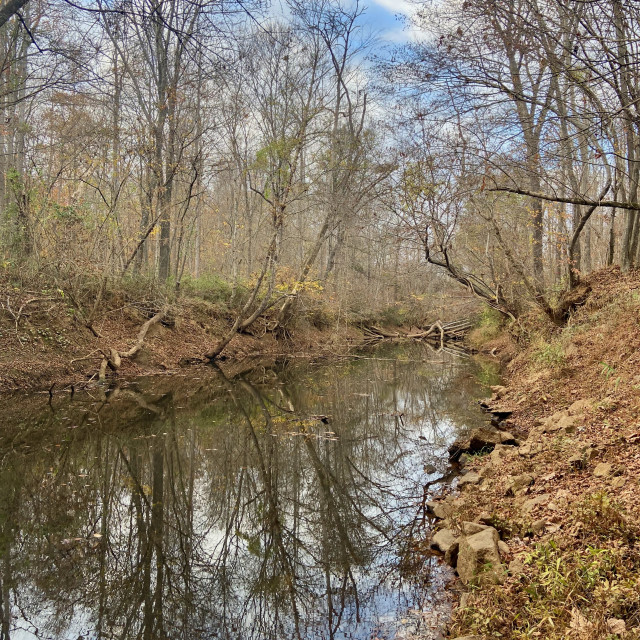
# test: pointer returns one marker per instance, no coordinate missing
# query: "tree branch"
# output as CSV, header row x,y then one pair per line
x,y
629,206
10,9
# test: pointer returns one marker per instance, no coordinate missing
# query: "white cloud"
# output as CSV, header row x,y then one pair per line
x,y
403,32
397,6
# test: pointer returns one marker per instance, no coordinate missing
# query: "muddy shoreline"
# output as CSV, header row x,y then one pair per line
x,y
54,349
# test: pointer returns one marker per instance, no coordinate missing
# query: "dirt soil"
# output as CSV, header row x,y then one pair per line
x,y
44,341
572,519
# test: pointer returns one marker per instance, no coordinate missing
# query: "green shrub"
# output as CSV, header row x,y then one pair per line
x,y
209,287
488,326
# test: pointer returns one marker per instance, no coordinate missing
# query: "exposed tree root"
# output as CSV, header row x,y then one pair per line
x,y
113,360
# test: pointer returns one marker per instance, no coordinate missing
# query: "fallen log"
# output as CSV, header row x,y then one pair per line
x,y
377,331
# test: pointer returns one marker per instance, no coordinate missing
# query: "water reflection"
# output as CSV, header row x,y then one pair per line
x,y
275,504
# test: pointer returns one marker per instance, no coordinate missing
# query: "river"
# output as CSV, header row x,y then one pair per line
x,y
285,502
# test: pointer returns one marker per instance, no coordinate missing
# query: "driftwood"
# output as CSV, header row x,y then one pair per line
x,y
113,359
439,332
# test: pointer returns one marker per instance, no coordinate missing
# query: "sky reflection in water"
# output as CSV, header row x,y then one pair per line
x,y
276,504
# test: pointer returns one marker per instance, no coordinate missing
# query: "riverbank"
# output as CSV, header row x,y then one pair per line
x,y
50,336
560,503
44,341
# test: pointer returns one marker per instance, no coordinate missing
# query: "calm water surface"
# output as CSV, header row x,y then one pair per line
x,y
281,503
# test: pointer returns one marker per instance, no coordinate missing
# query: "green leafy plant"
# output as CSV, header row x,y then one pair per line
x,y
607,370
550,355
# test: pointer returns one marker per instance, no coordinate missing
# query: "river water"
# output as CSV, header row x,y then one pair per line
x,y
280,503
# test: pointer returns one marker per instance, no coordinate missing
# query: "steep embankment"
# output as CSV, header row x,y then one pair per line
x,y
48,335
565,502
44,340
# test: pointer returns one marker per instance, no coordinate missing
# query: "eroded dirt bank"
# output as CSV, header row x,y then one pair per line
x,y
43,341
560,506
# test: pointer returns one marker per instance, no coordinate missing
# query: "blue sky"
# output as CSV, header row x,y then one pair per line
x,y
382,15
383,18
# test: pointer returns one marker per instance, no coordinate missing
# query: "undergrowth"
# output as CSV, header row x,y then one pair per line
x,y
549,354
562,588
489,325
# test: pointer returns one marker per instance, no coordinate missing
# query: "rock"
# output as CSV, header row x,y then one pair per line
x,y
486,438
447,543
530,449
479,558
471,528
551,420
619,482
487,470
481,439
464,599
501,414
579,406
518,484
498,391
439,510
430,469
537,527
499,453
468,638
485,518
616,626
603,470
443,540
503,548
464,460
561,421
532,503
516,567
468,479
578,461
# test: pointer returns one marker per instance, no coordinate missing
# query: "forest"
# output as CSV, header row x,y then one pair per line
x,y
318,322
284,158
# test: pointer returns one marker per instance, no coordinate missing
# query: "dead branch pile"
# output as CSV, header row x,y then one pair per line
x,y
439,332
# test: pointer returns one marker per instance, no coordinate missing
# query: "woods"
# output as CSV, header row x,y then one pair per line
x,y
260,265
525,124
277,155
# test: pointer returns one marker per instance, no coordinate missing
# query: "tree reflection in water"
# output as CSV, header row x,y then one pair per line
x,y
276,504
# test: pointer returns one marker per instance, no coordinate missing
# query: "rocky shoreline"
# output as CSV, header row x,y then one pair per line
x,y
507,503
474,549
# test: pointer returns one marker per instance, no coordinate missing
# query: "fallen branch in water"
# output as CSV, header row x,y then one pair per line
x,y
438,331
